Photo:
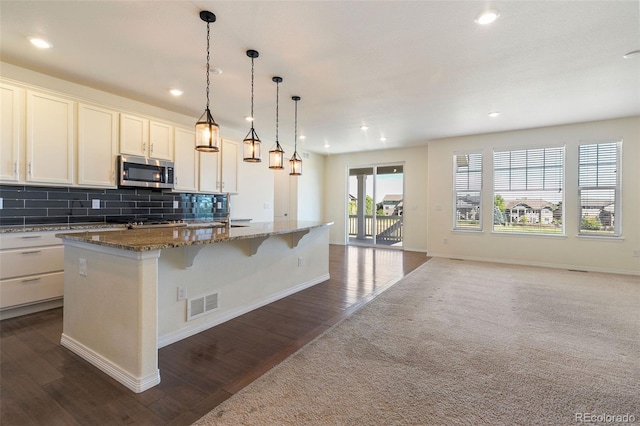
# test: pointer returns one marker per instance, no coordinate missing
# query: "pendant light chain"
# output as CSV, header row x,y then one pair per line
x,y
208,39
277,107
252,118
295,142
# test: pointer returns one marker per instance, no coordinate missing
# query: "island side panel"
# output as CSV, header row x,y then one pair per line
x,y
110,315
242,281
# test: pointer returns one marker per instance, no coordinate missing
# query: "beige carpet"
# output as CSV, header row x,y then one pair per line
x,y
464,343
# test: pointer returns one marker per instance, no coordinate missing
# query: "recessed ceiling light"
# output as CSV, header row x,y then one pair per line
x,y
216,71
631,54
364,127
383,139
176,92
302,137
40,43
487,17
494,114
326,145
248,118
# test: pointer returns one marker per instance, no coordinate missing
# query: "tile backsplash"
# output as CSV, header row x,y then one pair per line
x,y
39,205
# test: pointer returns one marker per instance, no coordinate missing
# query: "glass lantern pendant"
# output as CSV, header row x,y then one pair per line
x,y
276,155
252,152
207,130
295,164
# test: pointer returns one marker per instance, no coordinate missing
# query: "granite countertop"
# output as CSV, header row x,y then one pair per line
x,y
194,234
59,227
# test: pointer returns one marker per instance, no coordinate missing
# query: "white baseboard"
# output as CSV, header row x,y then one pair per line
x,y
189,331
540,264
136,384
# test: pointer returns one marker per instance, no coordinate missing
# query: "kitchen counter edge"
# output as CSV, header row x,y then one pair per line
x,y
141,240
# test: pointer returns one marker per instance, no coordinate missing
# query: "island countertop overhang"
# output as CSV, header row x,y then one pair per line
x,y
140,240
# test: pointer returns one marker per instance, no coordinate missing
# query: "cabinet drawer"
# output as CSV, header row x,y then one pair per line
x,y
31,261
19,291
29,239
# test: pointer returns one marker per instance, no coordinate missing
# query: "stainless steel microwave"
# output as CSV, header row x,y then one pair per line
x,y
145,172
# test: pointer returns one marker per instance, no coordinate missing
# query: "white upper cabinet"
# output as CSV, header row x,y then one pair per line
x,y
97,146
161,140
219,171
145,138
134,135
229,165
185,160
209,176
49,138
11,133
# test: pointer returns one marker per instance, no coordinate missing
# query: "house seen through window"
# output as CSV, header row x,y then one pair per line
x,y
599,189
468,191
528,191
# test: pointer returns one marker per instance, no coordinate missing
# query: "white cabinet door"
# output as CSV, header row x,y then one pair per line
x,y
12,142
50,138
134,135
185,160
97,146
229,165
160,141
209,172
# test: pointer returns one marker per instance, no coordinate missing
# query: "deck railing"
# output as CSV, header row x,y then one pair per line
x,y
388,228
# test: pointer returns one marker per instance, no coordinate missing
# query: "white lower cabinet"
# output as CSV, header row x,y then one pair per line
x,y
31,272
31,289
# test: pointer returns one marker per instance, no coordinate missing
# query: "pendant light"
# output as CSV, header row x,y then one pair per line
x,y
207,130
296,162
252,144
276,155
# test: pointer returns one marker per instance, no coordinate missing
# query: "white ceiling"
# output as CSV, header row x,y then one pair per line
x,y
410,70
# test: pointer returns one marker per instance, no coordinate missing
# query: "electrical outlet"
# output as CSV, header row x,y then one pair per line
x,y
300,261
182,293
635,253
445,241
175,204
95,203
82,267
1,204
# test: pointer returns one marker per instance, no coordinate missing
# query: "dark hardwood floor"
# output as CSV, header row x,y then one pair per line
x,y
42,383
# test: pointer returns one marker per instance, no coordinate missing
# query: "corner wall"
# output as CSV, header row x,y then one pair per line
x,y
569,251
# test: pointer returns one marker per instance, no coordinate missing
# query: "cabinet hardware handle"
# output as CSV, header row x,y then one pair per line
x,y
30,280
32,252
29,168
151,146
31,237
15,168
144,146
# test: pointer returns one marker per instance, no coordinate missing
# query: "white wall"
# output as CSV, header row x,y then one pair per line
x,y
569,251
415,191
310,187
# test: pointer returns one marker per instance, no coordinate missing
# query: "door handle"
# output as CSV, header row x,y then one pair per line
x,y
32,252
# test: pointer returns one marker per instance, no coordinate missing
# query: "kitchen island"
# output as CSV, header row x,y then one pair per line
x,y
129,292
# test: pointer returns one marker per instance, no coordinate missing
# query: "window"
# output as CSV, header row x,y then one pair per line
x,y
527,191
468,191
599,188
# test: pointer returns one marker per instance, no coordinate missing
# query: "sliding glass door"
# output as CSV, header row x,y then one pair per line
x,y
375,205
